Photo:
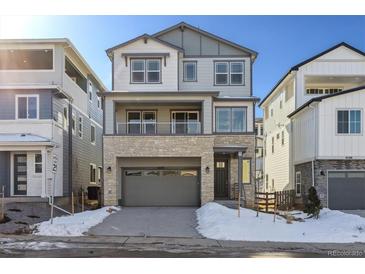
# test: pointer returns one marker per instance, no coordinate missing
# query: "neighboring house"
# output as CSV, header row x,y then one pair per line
x,y
313,127
49,113
259,153
179,123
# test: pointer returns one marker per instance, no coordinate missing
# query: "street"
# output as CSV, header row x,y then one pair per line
x,y
141,247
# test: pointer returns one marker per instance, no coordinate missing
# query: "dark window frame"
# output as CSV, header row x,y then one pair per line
x,y
185,74
229,73
230,126
145,71
349,121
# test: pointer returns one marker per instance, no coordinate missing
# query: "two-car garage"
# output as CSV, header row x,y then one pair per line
x,y
346,190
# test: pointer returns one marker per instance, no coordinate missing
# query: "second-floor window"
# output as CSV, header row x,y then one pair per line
x,y
190,71
27,107
145,71
81,126
229,73
231,119
90,91
92,134
349,121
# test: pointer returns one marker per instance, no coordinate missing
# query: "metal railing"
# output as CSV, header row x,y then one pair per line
x,y
154,128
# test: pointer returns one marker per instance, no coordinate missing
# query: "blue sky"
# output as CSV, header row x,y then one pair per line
x,y
281,41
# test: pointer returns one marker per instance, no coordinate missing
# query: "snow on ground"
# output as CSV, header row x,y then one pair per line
x,y
219,222
75,225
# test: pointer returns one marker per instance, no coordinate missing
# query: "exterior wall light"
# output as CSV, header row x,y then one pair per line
x,y
207,170
109,169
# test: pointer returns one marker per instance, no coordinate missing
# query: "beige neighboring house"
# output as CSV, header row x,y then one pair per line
x,y
313,129
179,122
259,153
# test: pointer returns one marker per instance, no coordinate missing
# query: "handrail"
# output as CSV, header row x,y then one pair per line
x,y
154,128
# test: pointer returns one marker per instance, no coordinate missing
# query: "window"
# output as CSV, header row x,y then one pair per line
x,y
92,134
348,121
27,107
322,90
90,89
266,182
73,123
236,73
26,59
229,73
272,112
185,122
272,145
100,174
272,185
81,126
38,163
145,71
65,118
141,122
190,71
221,73
231,119
246,171
99,101
92,173
298,183
282,138
256,130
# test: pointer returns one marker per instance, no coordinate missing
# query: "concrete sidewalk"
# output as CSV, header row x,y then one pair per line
x,y
112,246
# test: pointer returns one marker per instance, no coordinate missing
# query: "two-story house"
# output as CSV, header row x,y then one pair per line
x,y
179,122
313,130
50,120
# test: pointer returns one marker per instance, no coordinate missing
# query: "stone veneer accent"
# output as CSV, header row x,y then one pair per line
x,y
321,180
174,146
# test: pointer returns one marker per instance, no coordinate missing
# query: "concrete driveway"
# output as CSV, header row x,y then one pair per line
x,y
359,212
149,221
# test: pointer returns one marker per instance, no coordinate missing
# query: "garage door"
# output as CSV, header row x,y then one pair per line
x,y
346,190
167,187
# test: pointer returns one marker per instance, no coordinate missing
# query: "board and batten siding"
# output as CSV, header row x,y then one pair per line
x,y
339,62
337,146
205,77
122,77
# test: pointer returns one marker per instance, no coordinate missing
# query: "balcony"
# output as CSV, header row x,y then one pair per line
x,y
161,128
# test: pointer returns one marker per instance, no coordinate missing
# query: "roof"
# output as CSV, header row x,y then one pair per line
x,y
243,98
23,138
64,41
206,33
297,66
154,93
320,98
143,36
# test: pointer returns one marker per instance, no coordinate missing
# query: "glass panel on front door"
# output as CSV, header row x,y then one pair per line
x,y
20,174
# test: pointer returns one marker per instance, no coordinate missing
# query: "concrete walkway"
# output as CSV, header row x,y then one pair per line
x,y
149,222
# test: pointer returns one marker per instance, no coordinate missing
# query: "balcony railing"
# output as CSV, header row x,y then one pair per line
x,y
161,128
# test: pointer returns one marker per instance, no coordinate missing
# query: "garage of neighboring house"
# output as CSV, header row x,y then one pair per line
x,y
160,182
346,189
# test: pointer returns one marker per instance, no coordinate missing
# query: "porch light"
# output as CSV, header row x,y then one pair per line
x,y
207,169
109,169
322,173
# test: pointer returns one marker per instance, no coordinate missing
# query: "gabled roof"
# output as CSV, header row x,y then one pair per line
x,y
320,98
143,36
297,66
208,34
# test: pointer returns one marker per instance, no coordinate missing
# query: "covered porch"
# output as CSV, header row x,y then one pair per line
x,y
25,165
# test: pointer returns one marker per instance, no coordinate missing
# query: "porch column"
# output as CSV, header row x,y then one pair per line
x,y
44,172
239,181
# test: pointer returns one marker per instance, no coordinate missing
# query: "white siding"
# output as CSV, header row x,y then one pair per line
x,y
331,144
168,72
205,77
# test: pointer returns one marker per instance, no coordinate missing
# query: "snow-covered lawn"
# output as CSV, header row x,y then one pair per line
x,y
219,222
75,225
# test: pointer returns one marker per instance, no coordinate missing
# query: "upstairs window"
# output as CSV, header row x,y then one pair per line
x,y
38,163
231,119
26,59
92,173
27,107
92,134
145,71
73,123
311,91
81,126
65,118
190,71
229,73
90,91
349,121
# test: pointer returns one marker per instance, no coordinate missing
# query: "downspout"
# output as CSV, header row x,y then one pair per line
x,y
70,154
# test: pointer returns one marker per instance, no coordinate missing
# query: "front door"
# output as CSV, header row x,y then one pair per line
x,y
20,174
221,178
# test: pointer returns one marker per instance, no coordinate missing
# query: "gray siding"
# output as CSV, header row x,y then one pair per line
x,y
7,103
5,171
94,112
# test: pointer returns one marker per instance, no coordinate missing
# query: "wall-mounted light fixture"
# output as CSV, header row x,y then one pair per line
x,y
322,173
109,169
207,170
